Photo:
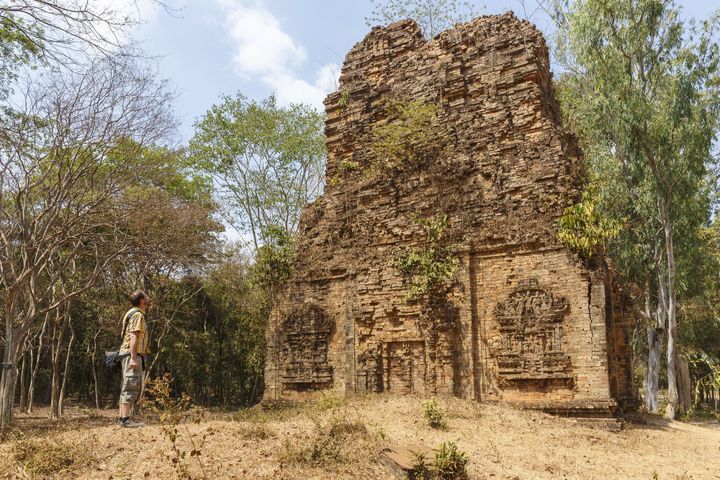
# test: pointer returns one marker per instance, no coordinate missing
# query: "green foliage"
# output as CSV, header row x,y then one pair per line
x,y
216,348
640,90
422,470
267,161
429,268
16,48
585,229
706,377
432,16
275,260
433,415
450,463
411,131
348,165
344,99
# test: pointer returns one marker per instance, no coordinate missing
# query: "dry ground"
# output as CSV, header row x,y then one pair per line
x,y
335,439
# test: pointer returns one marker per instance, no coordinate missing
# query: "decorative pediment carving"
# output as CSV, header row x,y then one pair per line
x,y
530,308
304,348
530,322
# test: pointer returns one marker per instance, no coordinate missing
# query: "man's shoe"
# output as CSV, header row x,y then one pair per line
x,y
130,423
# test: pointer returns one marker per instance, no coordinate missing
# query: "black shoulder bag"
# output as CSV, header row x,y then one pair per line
x,y
113,359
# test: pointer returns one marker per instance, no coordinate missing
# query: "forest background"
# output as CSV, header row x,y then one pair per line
x,y
96,198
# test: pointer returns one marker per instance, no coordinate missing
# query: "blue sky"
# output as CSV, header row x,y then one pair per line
x,y
293,48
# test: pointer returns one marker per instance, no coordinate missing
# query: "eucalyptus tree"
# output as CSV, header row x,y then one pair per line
x,y
641,88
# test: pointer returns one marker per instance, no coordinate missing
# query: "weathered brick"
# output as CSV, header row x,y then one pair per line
x,y
524,320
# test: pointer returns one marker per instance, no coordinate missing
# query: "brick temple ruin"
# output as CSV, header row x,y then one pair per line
x,y
523,319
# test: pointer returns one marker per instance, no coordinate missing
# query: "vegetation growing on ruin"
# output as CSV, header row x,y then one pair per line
x,y
431,267
411,132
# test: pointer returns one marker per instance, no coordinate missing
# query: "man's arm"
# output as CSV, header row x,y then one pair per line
x,y
133,350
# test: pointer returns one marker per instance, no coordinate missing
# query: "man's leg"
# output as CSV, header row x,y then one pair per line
x,y
130,392
125,409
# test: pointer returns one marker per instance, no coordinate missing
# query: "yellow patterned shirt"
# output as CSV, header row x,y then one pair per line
x,y
136,324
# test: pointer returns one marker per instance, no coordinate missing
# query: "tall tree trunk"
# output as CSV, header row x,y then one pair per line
x,y
685,389
652,380
33,376
672,355
94,371
8,374
55,384
22,404
57,339
67,364
654,333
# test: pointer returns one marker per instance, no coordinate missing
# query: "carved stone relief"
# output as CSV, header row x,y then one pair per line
x,y
530,322
304,349
370,370
405,364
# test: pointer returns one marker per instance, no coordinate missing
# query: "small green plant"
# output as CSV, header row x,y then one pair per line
x,y
344,99
171,412
348,165
433,415
450,463
421,469
428,268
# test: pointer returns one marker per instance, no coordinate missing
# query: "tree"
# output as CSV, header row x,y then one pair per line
x,y
64,32
267,161
641,91
432,16
63,196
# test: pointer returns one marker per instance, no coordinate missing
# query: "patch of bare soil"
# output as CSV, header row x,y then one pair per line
x,y
335,439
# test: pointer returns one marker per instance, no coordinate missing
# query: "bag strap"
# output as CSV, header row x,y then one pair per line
x,y
126,320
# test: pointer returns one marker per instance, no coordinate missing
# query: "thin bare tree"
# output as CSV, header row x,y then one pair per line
x,y
64,193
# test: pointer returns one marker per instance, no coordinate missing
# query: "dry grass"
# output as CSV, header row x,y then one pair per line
x,y
336,439
39,459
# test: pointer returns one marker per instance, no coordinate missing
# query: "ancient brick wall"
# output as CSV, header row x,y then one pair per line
x,y
522,319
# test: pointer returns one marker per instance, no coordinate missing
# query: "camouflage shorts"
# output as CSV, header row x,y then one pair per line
x,y
132,382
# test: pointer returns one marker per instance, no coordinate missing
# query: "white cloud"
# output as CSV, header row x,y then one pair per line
x,y
260,44
263,50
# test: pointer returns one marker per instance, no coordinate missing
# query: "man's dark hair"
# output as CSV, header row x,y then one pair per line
x,y
136,297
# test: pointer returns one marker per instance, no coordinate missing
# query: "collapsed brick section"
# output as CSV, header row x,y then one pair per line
x,y
523,320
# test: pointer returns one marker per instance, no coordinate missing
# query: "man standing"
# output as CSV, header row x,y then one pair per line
x,y
135,346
